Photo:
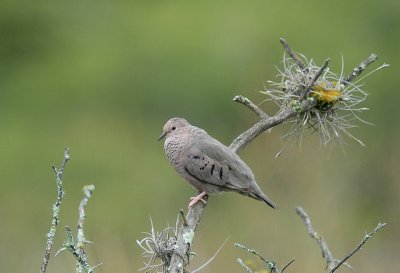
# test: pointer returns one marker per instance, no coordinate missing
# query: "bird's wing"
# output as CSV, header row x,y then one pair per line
x,y
211,162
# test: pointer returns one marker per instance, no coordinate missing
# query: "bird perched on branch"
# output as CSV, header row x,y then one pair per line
x,y
207,164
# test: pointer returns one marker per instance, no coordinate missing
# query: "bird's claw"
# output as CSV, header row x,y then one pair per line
x,y
196,199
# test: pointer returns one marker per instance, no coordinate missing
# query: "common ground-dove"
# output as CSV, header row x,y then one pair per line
x,y
207,164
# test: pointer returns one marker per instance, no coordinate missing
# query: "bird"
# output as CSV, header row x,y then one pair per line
x,y
207,164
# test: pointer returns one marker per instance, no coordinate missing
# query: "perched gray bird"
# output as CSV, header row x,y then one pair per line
x,y
207,164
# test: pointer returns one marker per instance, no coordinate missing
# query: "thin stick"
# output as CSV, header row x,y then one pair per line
x,y
293,55
358,247
314,79
326,253
56,210
271,265
286,266
70,246
253,107
81,240
360,68
252,251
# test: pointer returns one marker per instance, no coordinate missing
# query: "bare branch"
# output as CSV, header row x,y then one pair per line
x,y
264,124
293,55
253,107
252,251
332,264
358,247
326,253
56,210
360,68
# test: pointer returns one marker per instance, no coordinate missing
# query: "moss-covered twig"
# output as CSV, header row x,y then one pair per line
x,y
56,210
361,67
78,250
81,240
69,245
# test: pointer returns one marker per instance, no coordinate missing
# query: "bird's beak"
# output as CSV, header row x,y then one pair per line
x,y
162,136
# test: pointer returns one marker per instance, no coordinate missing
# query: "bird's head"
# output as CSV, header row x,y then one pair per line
x,y
174,126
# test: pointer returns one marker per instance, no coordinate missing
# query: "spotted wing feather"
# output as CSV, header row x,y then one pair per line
x,y
213,163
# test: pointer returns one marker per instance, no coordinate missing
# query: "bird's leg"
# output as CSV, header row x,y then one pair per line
x,y
197,199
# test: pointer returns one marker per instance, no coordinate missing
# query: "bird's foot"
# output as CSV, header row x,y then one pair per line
x,y
197,199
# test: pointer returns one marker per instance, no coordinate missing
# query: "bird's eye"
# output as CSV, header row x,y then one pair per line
x,y
173,128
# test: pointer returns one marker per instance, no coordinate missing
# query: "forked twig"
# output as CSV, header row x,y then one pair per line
x,y
332,264
56,210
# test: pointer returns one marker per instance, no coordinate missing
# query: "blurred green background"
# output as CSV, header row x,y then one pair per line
x,y
102,77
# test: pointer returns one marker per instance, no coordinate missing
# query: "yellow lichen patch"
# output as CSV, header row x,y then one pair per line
x,y
326,92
